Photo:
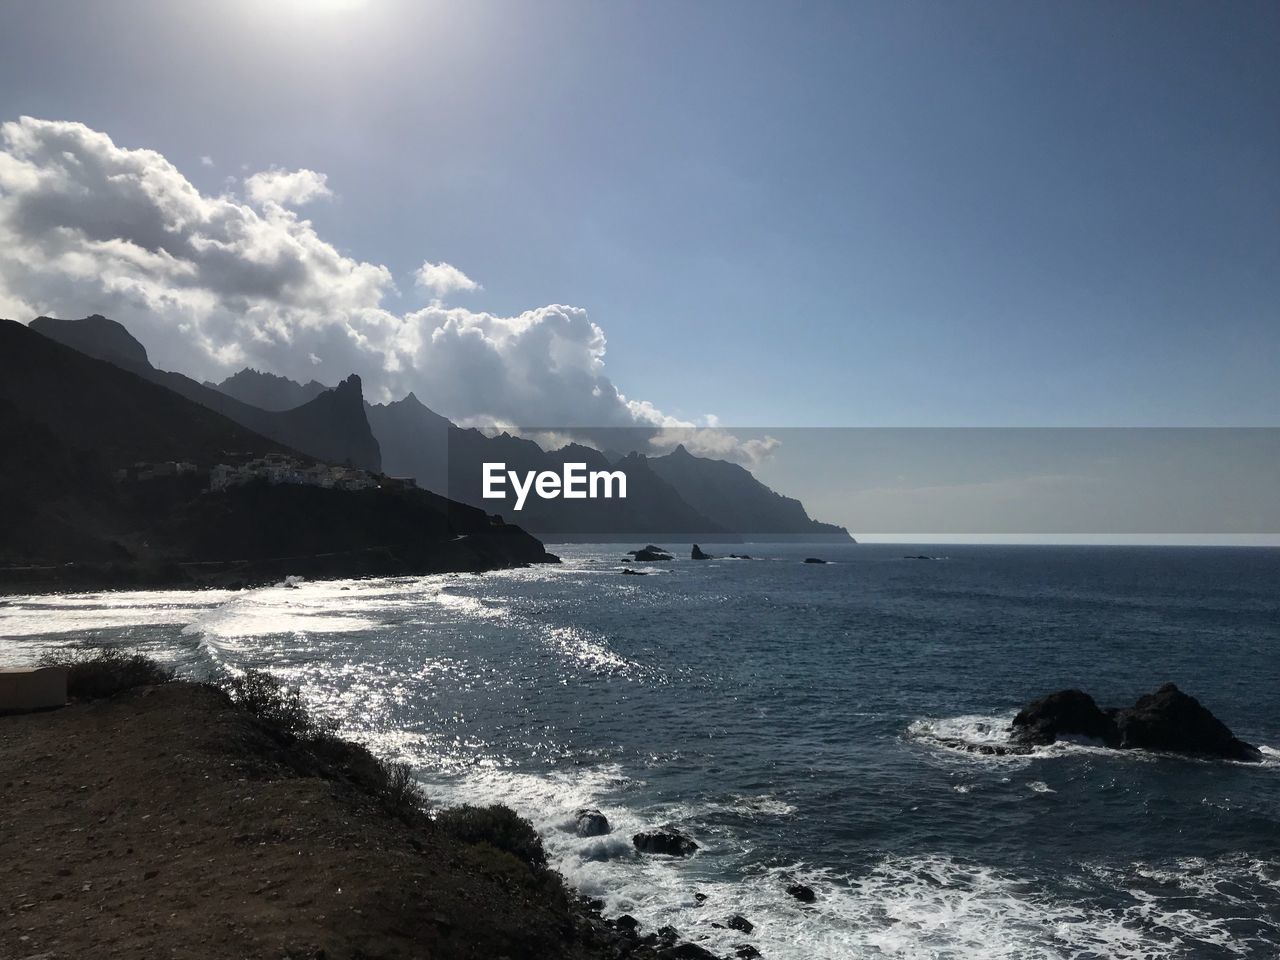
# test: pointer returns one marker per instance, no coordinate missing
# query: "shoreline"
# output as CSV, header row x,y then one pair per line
x,y
168,817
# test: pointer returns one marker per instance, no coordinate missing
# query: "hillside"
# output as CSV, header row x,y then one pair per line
x,y
331,426
69,424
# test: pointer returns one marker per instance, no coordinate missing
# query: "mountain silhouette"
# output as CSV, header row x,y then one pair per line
x,y
330,427
72,516
268,391
731,496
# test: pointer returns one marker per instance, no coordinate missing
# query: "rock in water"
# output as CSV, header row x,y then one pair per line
x,y
813,560
592,823
634,573
1065,713
739,922
668,841
802,892
697,554
650,554
1167,720
1174,721
688,951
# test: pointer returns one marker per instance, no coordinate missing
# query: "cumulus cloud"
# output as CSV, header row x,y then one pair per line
x,y
443,279
206,161
214,283
290,188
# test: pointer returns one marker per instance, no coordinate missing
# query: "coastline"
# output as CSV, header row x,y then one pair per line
x,y
168,819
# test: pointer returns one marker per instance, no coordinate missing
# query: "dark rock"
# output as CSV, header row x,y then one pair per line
x,y
746,951
813,560
667,936
650,554
740,556
739,922
697,554
1065,713
627,923
1174,721
634,573
917,556
700,897
687,951
1167,720
592,823
802,892
667,841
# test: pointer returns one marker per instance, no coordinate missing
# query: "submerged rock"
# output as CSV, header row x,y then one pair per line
x,y
697,554
688,951
1167,720
814,560
591,823
667,841
745,951
802,892
634,573
739,922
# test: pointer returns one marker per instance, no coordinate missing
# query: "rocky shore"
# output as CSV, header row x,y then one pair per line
x,y
170,821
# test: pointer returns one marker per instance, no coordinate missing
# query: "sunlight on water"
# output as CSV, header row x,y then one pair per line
x,y
798,727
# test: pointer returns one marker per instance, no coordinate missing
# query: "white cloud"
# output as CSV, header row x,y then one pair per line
x,y
290,188
206,161
211,284
443,279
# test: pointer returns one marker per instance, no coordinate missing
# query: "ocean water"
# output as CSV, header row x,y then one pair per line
x,y
790,717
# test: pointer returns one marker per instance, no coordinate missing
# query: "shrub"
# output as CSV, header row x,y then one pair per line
x,y
497,826
400,791
95,674
270,700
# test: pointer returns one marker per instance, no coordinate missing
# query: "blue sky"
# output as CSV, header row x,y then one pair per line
x,y
783,214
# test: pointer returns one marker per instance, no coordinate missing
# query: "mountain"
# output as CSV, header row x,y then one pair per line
x,y
268,391
677,494
70,422
330,427
732,497
418,442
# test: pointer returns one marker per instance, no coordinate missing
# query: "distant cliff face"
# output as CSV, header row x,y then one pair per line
x,y
68,421
268,391
96,336
332,426
671,495
730,495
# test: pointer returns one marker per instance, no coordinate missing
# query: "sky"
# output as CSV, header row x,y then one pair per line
x,y
805,215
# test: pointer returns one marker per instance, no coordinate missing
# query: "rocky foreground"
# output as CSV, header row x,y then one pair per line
x,y
169,822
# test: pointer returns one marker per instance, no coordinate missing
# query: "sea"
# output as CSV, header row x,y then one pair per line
x,y
798,721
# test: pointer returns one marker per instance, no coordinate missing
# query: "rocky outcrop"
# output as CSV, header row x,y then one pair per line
x,y
1063,714
650,554
697,554
1167,720
668,841
591,823
1173,721
814,560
